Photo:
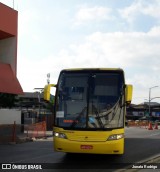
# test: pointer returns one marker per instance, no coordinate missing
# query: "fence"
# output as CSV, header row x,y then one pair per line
x,y
14,132
36,130
150,125
137,123
9,132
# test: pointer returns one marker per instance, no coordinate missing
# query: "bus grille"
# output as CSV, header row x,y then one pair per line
x,y
87,139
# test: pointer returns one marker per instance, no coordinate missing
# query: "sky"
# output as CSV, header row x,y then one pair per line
x,y
53,35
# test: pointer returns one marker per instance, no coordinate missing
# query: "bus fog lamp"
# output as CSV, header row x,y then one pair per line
x,y
116,137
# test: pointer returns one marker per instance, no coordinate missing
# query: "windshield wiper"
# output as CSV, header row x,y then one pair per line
x,y
98,116
78,118
113,111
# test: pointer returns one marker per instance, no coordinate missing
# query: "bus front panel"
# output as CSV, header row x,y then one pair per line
x,y
89,142
90,104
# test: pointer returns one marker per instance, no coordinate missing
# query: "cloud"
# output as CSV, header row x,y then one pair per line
x,y
141,84
27,19
136,52
48,43
130,13
151,9
88,14
127,49
138,7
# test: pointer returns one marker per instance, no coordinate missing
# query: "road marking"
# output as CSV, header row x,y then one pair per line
x,y
155,134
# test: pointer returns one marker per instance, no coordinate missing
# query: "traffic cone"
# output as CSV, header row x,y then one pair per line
x,y
156,126
150,126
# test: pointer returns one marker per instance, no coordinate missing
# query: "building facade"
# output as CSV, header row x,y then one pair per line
x,y
8,51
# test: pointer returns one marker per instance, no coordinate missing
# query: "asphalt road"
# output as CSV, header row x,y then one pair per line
x,y
140,144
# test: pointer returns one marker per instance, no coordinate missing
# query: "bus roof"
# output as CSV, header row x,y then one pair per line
x,y
90,69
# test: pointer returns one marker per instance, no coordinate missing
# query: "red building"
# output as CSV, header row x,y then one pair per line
x,y
8,51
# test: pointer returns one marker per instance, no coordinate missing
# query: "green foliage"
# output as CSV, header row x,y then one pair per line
x,y
7,100
51,99
50,105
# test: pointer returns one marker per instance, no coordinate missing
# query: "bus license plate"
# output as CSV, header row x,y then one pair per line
x,y
86,147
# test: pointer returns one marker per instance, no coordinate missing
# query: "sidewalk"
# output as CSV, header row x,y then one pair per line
x,y
22,138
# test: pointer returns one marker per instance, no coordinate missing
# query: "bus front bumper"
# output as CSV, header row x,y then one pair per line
x,y
107,147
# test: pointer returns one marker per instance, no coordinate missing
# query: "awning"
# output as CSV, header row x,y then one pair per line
x,y
8,81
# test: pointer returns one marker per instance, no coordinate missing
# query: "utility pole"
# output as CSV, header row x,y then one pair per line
x,y
150,98
48,78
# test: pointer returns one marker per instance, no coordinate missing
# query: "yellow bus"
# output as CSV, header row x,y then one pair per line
x,y
89,111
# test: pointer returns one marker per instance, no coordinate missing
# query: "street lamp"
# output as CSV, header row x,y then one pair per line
x,y
150,97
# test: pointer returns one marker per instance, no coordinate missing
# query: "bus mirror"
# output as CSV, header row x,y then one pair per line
x,y
46,94
129,90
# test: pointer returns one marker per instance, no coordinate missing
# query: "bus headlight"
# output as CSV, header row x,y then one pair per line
x,y
60,135
116,137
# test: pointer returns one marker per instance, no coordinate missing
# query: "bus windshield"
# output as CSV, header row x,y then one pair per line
x,y
90,100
